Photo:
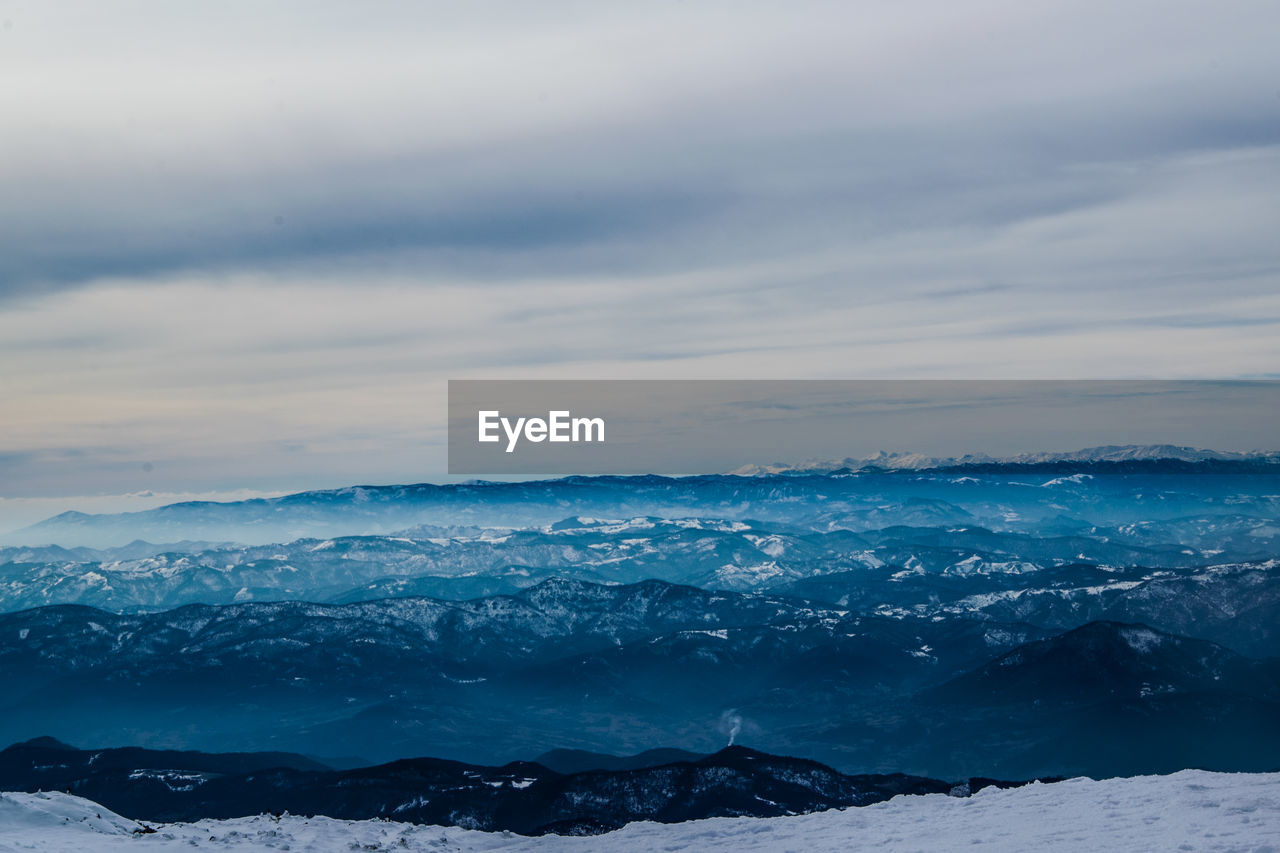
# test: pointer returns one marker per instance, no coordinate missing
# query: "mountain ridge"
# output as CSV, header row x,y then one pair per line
x,y
387,509
609,669
1111,453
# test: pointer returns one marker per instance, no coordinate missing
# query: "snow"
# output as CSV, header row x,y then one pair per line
x,y
1141,640
772,546
975,565
1191,810
56,822
749,575
719,634
1074,478
174,780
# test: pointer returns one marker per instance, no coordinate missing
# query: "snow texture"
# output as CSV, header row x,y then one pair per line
x,y
1192,810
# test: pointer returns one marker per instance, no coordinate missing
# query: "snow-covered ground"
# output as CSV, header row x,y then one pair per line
x,y
1192,810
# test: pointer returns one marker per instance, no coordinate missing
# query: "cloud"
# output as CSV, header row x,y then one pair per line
x,y
156,142
248,245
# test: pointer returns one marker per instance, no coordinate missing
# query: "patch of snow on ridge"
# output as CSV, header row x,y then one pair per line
x,y
1193,809
771,545
1141,640
1074,478
975,565
739,576
174,780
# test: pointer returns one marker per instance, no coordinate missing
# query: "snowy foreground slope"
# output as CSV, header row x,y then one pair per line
x,y
1191,810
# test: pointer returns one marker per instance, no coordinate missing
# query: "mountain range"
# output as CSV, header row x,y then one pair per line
x,y
522,797
1112,454
1111,612
362,510
614,669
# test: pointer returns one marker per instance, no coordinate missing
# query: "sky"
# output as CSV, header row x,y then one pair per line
x,y
243,246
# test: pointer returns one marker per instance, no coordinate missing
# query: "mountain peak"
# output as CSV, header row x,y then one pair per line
x,y
1109,659
47,742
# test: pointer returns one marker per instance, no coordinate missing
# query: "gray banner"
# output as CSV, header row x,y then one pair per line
x,y
555,427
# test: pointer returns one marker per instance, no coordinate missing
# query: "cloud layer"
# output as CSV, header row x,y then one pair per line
x,y
248,245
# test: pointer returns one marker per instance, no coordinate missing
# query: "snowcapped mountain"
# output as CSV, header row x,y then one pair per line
x,y
905,461
896,489
881,460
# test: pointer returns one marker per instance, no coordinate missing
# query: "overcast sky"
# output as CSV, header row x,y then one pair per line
x,y
243,245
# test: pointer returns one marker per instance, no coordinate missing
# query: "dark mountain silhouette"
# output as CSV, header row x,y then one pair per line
x,y
523,797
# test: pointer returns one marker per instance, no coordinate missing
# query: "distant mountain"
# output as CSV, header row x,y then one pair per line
x,y
581,760
1107,454
887,490
523,797
50,764
421,510
882,461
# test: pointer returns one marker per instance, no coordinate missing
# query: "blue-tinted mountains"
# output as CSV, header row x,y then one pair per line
x,y
621,668
870,498
1100,615
899,566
